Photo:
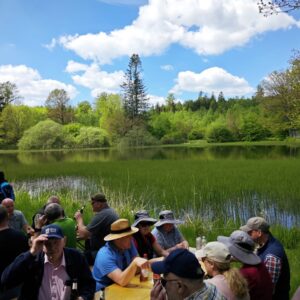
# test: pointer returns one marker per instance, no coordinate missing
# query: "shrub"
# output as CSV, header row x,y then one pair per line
x,y
218,133
92,137
173,138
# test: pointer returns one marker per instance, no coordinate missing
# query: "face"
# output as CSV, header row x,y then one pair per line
x,y
255,235
96,205
123,243
144,227
174,286
208,265
54,249
168,227
9,205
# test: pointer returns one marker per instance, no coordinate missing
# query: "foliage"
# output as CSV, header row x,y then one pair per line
x,y
218,133
85,115
44,135
58,107
267,7
136,137
134,93
8,93
71,132
92,137
16,119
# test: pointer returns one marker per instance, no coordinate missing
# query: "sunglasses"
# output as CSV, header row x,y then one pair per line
x,y
164,281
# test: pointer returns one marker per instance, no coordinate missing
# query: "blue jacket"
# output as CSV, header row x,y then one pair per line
x,y
29,269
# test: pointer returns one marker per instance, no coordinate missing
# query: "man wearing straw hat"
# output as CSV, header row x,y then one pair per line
x,y
117,261
272,254
166,232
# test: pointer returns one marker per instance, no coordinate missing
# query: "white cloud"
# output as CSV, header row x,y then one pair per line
x,y
51,45
153,100
30,84
211,80
207,27
95,79
167,67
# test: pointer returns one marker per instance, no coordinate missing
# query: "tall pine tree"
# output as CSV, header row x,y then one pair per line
x,y
134,93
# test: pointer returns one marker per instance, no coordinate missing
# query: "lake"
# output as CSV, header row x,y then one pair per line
x,y
222,182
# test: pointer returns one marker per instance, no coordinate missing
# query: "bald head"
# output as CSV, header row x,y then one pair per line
x,y
9,205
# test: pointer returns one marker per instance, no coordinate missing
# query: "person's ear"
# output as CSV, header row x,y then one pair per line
x,y
181,287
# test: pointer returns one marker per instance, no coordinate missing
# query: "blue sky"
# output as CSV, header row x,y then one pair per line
x,y
83,46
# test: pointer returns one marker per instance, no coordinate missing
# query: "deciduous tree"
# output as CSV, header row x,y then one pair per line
x,y
268,7
8,93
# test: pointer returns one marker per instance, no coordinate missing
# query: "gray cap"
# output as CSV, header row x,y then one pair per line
x,y
167,217
143,216
241,246
256,223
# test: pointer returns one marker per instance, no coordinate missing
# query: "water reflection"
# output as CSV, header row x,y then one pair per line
x,y
208,153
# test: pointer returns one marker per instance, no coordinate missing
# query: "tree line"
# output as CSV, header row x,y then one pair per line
x,y
273,112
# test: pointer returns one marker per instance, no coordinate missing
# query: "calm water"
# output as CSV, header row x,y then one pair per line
x,y
238,208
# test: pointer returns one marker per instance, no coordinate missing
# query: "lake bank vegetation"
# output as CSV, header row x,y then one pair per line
x,y
272,113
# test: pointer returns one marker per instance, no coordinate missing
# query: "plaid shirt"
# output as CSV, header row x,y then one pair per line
x,y
208,292
273,265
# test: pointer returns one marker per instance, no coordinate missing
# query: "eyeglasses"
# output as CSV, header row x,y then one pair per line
x,y
164,281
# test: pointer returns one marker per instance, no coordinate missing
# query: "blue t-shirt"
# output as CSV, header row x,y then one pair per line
x,y
108,259
167,239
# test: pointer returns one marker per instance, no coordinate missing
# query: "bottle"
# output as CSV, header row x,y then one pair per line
x,y
198,243
74,290
156,277
144,272
203,241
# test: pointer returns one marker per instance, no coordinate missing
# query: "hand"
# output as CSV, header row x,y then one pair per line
x,y
142,263
77,215
183,245
158,292
30,230
37,244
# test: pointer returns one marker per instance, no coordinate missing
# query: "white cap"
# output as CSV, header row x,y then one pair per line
x,y
215,251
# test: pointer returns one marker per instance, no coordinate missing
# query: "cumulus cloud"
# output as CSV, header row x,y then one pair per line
x,y
211,80
207,27
167,67
32,87
153,100
95,79
51,45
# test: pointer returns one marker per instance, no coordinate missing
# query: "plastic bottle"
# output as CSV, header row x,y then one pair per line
x,y
144,272
198,243
204,241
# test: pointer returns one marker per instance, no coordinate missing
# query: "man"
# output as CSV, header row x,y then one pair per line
x,y
167,234
182,279
117,261
272,254
12,243
16,218
48,270
6,189
54,214
98,228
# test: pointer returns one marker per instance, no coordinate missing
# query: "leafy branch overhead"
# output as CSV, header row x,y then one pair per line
x,y
268,8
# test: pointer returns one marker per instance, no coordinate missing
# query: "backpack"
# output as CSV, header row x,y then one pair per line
x,y
6,191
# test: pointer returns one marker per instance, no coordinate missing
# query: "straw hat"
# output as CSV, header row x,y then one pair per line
x,y
120,229
143,216
167,217
241,247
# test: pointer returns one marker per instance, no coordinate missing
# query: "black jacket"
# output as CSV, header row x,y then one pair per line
x,y
29,269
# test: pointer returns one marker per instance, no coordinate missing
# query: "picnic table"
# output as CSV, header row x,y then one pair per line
x,y
134,290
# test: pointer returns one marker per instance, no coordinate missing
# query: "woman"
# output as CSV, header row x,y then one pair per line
x,y
229,282
144,240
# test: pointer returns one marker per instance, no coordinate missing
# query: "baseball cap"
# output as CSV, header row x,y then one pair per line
x,y
215,251
99,197
256,223
181,262
52,231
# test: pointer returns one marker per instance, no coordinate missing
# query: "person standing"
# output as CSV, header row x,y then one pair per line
x,y
98,227
12,243
48,270
6,189
272,254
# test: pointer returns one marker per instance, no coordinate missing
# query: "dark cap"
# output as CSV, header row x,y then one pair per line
x,y
180,262
52,231
99,197
143,216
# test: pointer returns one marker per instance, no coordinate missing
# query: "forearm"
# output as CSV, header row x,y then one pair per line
x,y
125,276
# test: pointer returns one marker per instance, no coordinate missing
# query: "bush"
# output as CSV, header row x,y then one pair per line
x,y
44,135
218,133
196,134
92,137
173,138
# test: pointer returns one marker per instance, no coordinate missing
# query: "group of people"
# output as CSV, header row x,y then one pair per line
x,y
50,266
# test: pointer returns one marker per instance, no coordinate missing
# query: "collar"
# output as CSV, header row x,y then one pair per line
x,y
62,263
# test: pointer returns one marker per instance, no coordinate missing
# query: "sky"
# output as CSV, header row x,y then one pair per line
x,y
185,46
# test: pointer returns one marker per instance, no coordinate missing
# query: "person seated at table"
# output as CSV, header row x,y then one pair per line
x,y
229,281
182,279
241,248
117,261
144,240
167,234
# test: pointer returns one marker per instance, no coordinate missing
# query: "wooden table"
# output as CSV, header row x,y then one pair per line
x,y
135,290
